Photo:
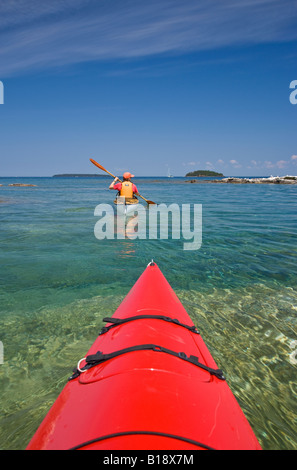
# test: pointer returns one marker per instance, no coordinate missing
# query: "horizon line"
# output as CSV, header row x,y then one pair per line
x,y
77,175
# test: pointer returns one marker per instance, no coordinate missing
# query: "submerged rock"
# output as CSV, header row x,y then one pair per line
x,y
21,184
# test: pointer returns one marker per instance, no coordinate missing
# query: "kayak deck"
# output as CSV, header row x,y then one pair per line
x,y
147,382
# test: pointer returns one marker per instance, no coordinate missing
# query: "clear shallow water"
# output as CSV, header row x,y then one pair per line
x,y
57,282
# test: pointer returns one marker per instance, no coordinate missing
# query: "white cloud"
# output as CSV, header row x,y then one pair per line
x,y
38,34
235,164
268,164
281,163
17,12
294,158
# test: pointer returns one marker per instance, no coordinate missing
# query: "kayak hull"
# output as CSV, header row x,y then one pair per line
x,y
128,208
147,398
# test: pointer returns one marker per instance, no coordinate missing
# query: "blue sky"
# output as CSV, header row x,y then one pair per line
x,y
147,86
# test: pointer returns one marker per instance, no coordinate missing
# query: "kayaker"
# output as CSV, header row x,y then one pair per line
x,y
126,189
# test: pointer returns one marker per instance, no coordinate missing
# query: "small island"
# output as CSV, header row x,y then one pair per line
x,y
204,173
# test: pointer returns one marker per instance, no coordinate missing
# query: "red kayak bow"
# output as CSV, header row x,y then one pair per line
x,y
148,382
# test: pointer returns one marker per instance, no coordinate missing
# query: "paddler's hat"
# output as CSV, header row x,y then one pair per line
x,y
127,175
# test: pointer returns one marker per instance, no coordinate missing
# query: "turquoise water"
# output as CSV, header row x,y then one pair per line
x,y
57,282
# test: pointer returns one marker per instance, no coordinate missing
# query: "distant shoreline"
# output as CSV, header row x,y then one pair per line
x,y
78,175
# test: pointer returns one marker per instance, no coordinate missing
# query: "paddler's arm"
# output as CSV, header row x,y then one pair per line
x,y
135,190
113,183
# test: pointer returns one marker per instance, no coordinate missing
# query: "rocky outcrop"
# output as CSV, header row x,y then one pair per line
x,y
270,180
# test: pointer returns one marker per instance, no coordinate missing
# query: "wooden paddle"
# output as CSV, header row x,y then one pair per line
x,y
102,168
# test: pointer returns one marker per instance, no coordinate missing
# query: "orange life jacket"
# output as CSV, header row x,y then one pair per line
x,y
127,189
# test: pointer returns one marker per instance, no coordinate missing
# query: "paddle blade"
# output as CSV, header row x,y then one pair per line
x,y
97,164
101,167
146,200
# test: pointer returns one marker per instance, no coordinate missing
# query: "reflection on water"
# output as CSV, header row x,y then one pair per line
x,y
127,249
